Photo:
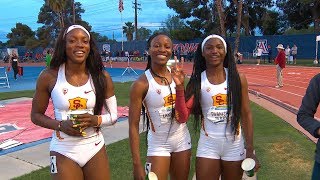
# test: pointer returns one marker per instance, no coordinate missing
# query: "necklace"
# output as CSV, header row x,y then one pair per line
x,y
164,80
72,79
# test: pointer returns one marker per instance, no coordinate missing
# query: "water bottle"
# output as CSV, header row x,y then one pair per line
x,y
151,176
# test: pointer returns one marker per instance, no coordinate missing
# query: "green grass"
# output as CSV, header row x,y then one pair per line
x,y
121,92
16,94
284,153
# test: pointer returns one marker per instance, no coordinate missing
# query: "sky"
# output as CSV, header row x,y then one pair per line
x,y
102,15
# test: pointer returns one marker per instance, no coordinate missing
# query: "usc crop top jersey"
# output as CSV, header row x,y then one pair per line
x,y
214,107
159,103
68,99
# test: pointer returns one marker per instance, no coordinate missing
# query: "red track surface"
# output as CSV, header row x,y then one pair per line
x,y
261,79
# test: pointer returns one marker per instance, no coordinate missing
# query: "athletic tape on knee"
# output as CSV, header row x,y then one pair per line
x,y
110,119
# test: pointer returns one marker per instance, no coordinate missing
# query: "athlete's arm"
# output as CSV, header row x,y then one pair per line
x,y
183,109
137,93
246,119
110,118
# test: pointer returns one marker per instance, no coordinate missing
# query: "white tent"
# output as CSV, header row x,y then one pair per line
x,y
317,40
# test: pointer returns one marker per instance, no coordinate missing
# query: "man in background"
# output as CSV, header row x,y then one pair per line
x,y
280,61
294,52
287,52
269,54
306,118
48,58
259,54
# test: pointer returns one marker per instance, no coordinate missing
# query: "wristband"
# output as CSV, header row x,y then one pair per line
x,y
99,121
59,126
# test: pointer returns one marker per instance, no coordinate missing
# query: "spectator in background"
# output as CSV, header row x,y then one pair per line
x,y
269,54
145,55
294,52
48,58
239,57
126,54
14,64
189,56
26,56
259,54
6,58
280,61
287,53
305,118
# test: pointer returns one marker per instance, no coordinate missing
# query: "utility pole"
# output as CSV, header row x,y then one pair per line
x,y
136,18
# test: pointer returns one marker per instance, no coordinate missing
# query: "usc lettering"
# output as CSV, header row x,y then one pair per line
x,y
78,103
168,100
219,100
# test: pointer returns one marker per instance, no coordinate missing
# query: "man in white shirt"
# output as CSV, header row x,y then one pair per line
x,y
294,52
287,52
259,54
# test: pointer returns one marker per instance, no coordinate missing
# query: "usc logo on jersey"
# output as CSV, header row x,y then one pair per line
x,y
219,100
168,100
78,103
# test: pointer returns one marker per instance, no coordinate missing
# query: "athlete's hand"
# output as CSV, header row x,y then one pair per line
x,y
177,72
138,172
86,120
67,128
254,157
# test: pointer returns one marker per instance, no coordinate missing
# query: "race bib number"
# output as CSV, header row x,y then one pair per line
x,y
165,114
53,165
217,115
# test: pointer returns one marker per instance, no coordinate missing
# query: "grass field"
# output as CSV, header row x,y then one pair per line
x,y
284,153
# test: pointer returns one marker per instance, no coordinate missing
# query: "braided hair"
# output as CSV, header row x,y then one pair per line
x,y
145,117
234,97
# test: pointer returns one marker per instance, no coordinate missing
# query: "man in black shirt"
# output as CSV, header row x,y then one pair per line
x,y
306,118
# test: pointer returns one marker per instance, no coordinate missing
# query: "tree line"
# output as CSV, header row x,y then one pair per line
x,y
193,19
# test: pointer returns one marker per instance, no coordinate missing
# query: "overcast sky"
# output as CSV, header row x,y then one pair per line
x,y
102,15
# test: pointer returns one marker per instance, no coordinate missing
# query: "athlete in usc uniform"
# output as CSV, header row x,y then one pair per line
x,y
217,95
83,97
169,142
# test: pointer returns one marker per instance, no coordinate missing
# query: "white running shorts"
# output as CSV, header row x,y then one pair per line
x,y
221,148
164,145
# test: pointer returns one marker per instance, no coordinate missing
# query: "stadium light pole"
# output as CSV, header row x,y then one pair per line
x,y
136,8
121,8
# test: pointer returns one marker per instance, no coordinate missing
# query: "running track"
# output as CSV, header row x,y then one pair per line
x,y
261,81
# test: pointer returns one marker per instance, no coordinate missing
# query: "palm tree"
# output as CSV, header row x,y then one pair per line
x,y
128,29
239,8
221,17
58,6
